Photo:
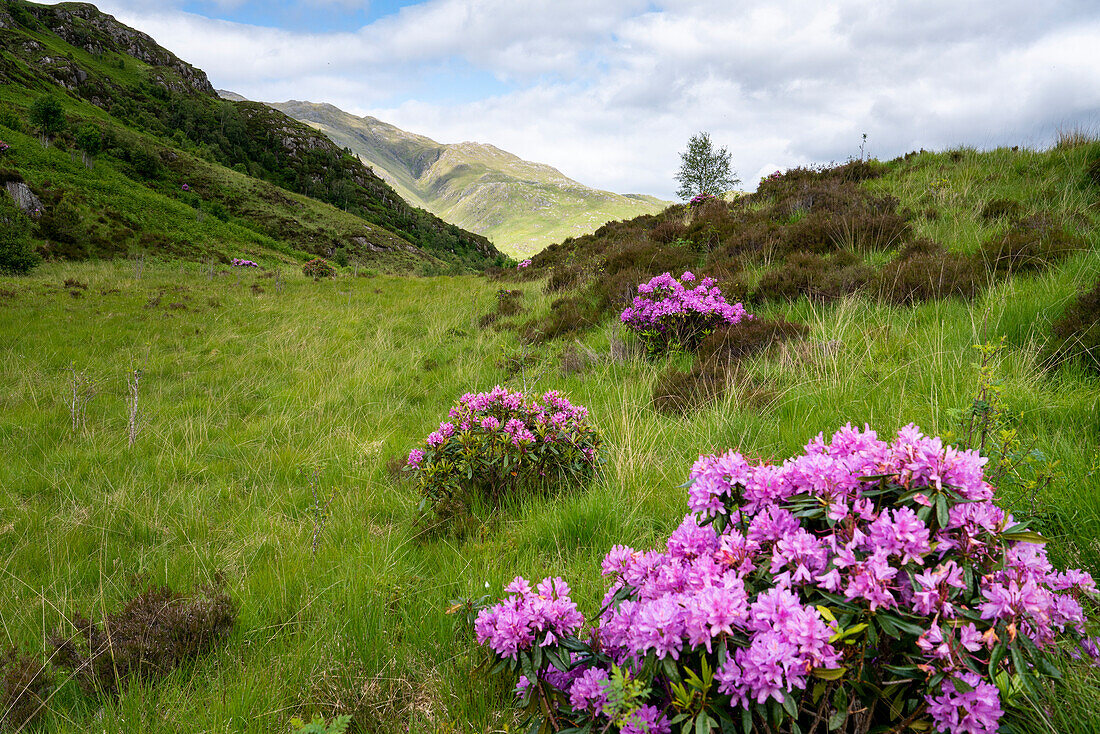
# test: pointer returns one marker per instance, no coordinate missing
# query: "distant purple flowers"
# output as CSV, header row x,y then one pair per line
x,y
239,263
500,441
700,199
668,311
185,187
524,264
879,561
3,146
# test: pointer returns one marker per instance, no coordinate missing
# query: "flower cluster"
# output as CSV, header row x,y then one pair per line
x,y
671,312
524,264
806,590
239,263
185,187
495,443
318,268
543,614
3,146
772,177
700,199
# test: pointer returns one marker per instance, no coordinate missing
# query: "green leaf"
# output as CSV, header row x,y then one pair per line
x,y
829,673
790,706
1024,536
853,630
942,510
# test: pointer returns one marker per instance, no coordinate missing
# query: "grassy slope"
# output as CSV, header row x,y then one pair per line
x,y
282,222
243,393
519,205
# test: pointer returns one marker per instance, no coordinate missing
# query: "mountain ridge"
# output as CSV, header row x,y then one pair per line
x,y
521,205
159,123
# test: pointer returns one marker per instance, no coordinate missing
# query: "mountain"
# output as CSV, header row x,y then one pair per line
x,y
521,206
165,151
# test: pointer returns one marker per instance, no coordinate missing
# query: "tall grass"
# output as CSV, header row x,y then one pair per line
x,y
244,395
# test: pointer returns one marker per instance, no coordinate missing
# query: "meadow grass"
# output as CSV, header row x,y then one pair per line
x,y
248,396
244,395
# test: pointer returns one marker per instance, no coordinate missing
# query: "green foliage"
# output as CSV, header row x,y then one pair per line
x,y
47,114
17,255
154,633
89,139
26,683
318,268
10,120
318,725
704,170
1076,333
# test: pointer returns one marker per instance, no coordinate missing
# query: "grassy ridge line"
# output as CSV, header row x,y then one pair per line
x,y
242,398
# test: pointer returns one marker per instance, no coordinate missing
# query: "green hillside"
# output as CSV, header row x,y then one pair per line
x,y
521,206
272,423
175,171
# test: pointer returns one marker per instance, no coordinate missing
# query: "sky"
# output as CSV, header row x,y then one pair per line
x,y
610,91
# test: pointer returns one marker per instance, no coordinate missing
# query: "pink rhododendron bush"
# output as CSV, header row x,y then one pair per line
x,y
865,585
495,444
671,312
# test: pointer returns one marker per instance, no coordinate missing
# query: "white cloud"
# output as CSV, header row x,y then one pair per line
x,y
609,92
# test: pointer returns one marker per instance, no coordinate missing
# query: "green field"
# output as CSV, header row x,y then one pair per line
x,y
244,395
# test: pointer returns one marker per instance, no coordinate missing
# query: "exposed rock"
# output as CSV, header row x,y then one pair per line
x,y
24,198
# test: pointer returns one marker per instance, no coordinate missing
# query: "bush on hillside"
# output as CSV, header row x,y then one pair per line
x,y
318,268
815,276
865,585
714,373
17,255
995,209
671,315
496,445
25,685
926,271
1076,334
1032,244
509,303
153,634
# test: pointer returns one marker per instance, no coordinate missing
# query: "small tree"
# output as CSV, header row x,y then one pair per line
x,y
17,255
47,115
90,141
704,170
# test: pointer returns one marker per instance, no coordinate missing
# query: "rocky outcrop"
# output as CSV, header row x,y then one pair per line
x,y
24,198
85,26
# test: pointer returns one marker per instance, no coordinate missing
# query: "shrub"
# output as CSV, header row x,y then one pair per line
x,y
509,303
677,391
240,263
1092,168
815,276
17,255
668,315
1077,332
495,445
728,345
564,278
817,590
318,268
155,633
931,273
567,315
995,209
25,686
1033,244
